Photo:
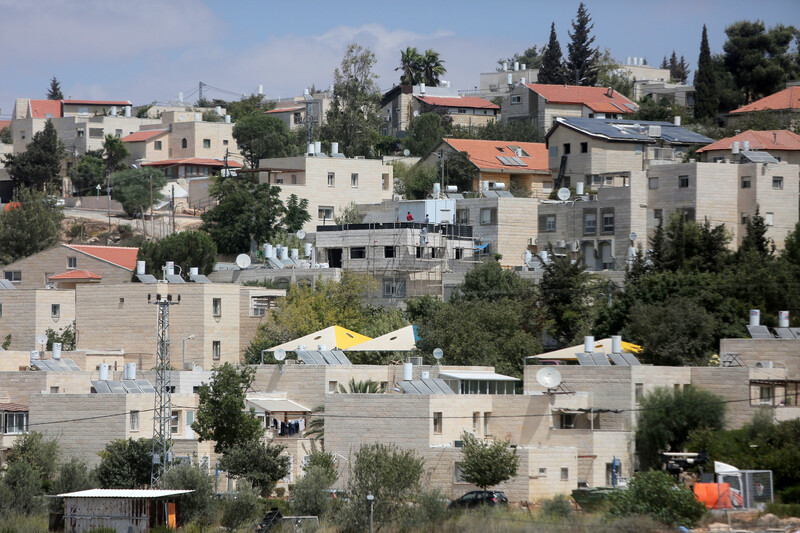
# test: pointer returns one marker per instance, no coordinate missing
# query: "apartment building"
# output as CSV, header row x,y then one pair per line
x,y
329,184
26,314
541,104
500,82
293,110
782,145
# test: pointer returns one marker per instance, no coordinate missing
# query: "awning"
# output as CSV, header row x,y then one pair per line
x,y
123,493
333,337
474,376
401,340
278,405
602,345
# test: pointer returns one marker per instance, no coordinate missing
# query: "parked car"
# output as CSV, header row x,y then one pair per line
x,y
479,497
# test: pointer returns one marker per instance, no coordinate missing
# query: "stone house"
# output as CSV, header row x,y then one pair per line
x,y
783,104
26,314
783,145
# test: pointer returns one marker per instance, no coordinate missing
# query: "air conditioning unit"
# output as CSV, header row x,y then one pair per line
x,y
560,244
533,241
458,443
573,246
764,364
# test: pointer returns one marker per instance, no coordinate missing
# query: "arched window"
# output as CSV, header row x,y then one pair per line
x,y
184,143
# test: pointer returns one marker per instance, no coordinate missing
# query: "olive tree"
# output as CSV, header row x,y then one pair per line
x,y
487,464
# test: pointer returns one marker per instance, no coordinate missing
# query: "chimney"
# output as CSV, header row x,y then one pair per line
x,y
775,137
610,92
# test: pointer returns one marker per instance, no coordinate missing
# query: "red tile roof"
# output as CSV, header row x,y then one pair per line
x,y
4,124
76,274
458,101
97,102
42,108
284,110
483,154
789,98
142,135
759,140
116,255
14,407
216,163
595,98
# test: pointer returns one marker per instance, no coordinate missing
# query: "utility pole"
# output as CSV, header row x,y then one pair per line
x,y
152,220
172,208
162,408
201,90
108,192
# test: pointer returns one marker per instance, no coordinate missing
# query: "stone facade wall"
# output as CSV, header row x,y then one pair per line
x,y
27,314
37,268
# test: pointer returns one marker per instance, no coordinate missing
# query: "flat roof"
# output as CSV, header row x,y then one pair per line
x,y
123,493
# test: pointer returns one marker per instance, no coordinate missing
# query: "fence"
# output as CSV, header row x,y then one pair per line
x,y
749,489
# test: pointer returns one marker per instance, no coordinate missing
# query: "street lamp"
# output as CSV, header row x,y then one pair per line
x,y
183,358
371,500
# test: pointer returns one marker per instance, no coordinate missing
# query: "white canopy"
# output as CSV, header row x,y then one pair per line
x,y
466,375
277,405
400,340
333,337
724,468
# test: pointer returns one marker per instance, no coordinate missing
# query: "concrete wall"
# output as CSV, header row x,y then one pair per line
x,y
28,313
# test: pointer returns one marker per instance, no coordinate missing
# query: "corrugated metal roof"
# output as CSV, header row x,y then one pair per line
x,y
123,493
472,376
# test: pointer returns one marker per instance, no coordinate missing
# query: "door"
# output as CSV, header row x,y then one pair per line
x,y
335,257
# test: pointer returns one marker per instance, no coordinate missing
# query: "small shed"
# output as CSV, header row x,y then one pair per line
x,y
130,511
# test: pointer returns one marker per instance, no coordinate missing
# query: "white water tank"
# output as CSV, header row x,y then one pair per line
x,y
295,254
194,271
170,268
408,371
35,355
307,249
516,65
284,253
227,119
588,344
755,317
127,111
579,188
56,350
783,320
528,256
310,149
543,256
318,147
218,109
198,117
103,371
129,372
616,344
334,148
140,267
510,79
735,147
269,251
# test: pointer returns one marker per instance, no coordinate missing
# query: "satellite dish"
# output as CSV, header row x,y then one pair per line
x,y
243,260
563,194
301,234
548,377
41,339
280,354
406,152
438,354
632,236
415,113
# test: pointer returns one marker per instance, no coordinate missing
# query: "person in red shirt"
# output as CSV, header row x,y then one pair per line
x,y
409,217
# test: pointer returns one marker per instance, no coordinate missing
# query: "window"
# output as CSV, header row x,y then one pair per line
x,y
459,253
745,217
488,216
458,472
388,252
80,133
567,149
584,148
476,421
216,306
72,262
608,220
552,151
55,310
746,182
118,133
589,222
658,214
96,133
765,395
486,418
16,422
206,143
462,110
769,219
550,223
358,253
54,390
331,179
565,474
13,275
542,471
134,420
777,182
516,99
687,213
462,216
437,423
718,159
325,212
216,350
638,149
175,422
385,178
298,118
332,386
567,421
184,143
1,310
260,304
354,180
394,288
157,145
683,182
652,183
639,392
294,179
547,186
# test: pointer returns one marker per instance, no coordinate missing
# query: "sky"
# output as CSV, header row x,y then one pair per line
x,y
151,50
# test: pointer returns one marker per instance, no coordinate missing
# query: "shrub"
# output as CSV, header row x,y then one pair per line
x,y
241,509
655,494
790,495
558,507
428,512
73,476
310,495
784,510
20,490
280,492
197,506
323,461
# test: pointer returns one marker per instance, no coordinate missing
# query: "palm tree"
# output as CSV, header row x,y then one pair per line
x,y
361,387
411,65
315,429
432,68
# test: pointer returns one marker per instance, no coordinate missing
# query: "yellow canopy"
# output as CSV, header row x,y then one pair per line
x,y
602,345
333,337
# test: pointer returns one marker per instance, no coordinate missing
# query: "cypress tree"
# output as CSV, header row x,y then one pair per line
x,y
683,70
673,67
705,90
582,58
54,92
552,69
664,63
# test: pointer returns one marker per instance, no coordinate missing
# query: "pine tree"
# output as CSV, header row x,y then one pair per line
x,y
705,91
54,93
683,70
664,63
673,66
582,58
552,69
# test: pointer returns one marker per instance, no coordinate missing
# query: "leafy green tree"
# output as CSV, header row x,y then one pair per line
x,y
325,462
54,92
250,105
296,213
424,133
361,387
31,227
705,96
656,494
187,249
611,74
390,474
20,490
662,109
211,116
459,170
414,182
410,66
65,335
132,188
246,213
39,165
432,67
311,496
73,476
353,118
487,464
40,453
515,130
260,463
758,58
667,417
114,153
221,414
5,135
791,247
125,464
552,70
531,58
491,282
581,60
88,174
348,215
244,509
755,239
198,506
261,136
729,96
567,291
